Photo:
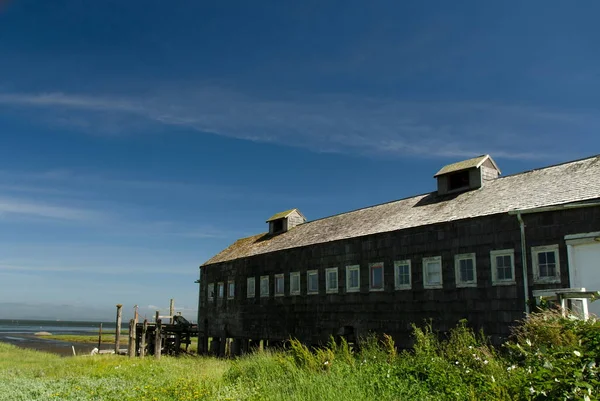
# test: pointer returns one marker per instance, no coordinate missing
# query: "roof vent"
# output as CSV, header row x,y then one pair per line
x,y
282,222
466,175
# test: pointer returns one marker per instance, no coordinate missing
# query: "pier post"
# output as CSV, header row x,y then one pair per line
x,y
157,337
144,342
118,328
132,339
172,310
99,337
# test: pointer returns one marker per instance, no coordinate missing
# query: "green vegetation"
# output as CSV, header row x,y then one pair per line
x,y
549,358
86,338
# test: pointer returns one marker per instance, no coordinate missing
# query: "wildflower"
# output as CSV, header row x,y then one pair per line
x,y
586,398
577,353
556,380
456,363
326,363
531,390
485,362
467,371
470,347
528,341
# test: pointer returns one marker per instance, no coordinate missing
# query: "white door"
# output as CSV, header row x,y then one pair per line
x,y
585,268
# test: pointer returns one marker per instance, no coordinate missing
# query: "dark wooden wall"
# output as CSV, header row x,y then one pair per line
x,y
313,318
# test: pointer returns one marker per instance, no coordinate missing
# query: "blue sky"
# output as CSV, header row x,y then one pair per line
x,y
139,138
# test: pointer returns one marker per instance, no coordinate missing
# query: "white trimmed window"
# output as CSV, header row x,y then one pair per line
x,y
466,270
279,285
432,272
402,275
503,266
312,282
211,292
353,278
331,280
264,286
376,276
295,283
220,290
230,289
250,287
546,265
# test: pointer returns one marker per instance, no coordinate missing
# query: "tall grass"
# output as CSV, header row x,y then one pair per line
x,y
549,357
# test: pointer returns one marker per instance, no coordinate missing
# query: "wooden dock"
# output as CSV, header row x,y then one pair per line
x,y
168,339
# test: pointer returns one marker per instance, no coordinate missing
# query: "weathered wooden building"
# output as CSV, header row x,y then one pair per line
x,y
482,248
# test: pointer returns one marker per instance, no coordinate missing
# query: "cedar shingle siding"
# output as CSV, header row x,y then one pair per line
x,y
475,221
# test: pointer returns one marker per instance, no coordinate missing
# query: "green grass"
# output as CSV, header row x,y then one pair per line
x,y
549,358
85,338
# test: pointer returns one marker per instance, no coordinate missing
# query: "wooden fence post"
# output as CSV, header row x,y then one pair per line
x,y
118,328
172,310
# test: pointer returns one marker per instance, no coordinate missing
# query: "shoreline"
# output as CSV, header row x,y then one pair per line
x,y
58,347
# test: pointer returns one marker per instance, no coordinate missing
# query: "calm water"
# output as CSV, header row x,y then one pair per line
x,y
21,333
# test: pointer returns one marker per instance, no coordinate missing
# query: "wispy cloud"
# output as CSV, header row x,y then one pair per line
x,y
23,207
336,123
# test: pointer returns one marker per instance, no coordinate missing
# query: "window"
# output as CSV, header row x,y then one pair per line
x,y
279,285
331,280
466,270
231,289
546,266
503,266
312,280
458,180
353,278
432,272
221,290
402,276
277,226
376,276
250,287
264,286
295,283
211,292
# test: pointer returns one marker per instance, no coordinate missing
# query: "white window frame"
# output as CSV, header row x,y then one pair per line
x,y
264,279
308,274
231,289
210,292
348,270
279,277
220,290
465,256
502,252
376,265
251,287
327,282
297,276
397,265
535,250
427,285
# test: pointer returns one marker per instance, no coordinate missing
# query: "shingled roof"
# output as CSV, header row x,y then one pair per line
x,y
556,185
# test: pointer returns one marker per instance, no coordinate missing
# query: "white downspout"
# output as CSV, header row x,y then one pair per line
x,y
524,262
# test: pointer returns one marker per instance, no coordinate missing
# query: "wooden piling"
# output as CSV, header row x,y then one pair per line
x,y
132,339
144,342
172,310
99,336
157,337
118,328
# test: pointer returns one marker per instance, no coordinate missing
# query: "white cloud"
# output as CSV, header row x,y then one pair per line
x,y
24,207
328,123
